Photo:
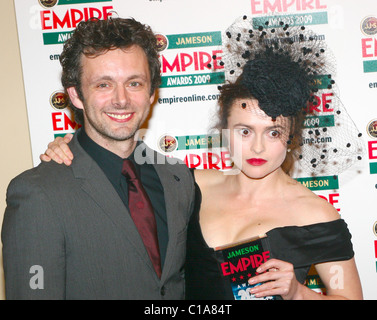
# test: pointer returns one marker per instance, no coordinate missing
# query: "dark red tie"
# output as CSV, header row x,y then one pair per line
x,y
142,213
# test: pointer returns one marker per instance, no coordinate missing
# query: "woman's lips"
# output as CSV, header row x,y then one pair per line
x,y
256,161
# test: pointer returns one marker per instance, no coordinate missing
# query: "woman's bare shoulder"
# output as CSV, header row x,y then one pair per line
x,y
312,208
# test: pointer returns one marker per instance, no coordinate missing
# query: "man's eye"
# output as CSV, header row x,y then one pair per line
x,y
134,84
103,85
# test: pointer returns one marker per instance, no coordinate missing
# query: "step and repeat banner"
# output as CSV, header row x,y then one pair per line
x,y
189,37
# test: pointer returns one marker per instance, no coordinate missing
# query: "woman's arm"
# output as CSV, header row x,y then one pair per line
x,y
59,151
340,278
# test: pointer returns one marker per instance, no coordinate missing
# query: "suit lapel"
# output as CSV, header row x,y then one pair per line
x,y
96,185
176,221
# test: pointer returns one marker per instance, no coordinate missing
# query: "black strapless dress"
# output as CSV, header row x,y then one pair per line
x,y
301,246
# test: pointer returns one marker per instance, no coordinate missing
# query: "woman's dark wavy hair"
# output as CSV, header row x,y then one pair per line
x,y
95,37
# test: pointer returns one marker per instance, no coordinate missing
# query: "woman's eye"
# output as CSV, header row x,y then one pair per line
x,y
245,132
274,134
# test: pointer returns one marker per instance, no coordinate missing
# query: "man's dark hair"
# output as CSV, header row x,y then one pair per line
x,y
95,37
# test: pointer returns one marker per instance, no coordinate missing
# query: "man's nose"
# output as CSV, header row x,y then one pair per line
x,y
121,96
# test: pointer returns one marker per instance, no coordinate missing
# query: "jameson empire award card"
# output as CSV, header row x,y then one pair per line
x,y
238,262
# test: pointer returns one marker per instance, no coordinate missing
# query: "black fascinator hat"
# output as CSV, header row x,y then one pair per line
x,y
290,71
279,84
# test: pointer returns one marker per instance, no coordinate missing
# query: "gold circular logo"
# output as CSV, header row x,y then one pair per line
x,y
372,128
59,100
375,228
48,3
162,42
369,26
167,143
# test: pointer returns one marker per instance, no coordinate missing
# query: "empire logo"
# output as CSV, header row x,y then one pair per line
x,y
61,18
201,62
71,18
303,12
190,59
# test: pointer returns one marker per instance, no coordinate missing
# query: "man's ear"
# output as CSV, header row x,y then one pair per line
x,y
75,99
152,97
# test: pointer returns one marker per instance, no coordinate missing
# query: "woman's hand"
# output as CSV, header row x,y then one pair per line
x,y
59,151
280,279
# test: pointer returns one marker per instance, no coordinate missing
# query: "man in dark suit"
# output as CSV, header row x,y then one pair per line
x,y
67,230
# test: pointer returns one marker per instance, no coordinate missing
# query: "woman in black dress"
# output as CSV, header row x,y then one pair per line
x,y
271,73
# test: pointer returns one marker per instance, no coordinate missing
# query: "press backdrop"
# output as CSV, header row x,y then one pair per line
x,y
189,35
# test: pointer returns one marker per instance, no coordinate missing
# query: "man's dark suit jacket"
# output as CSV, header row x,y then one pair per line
x,y
70,224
